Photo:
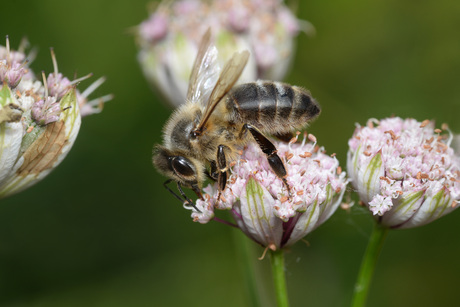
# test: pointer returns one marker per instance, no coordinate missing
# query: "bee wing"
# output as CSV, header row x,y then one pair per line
x,y
228,77
204,72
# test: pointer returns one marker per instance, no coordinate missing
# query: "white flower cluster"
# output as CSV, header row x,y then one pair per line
x,y
39,121
404,170
260,203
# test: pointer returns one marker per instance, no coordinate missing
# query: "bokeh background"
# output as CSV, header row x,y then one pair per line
x,y
102,231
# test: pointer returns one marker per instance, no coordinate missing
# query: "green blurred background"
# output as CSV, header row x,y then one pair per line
x,y
101,230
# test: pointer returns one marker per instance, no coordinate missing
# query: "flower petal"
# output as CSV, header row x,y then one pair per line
x,y
256,217
403,209
369,173
47,150
432,208
10,143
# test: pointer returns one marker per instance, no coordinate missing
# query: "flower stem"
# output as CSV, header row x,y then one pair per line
x,y
277,259
366,271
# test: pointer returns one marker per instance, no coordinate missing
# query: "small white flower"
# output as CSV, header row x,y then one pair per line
x,y
404,170
260,204
39,122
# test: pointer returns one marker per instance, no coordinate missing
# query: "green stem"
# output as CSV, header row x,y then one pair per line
x,y
277,259
366,271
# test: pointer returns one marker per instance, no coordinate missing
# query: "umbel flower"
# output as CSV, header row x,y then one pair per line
x,y
405,171
169,38
39,121
260,203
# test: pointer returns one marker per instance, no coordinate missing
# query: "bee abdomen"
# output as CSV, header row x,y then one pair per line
x,y
272,106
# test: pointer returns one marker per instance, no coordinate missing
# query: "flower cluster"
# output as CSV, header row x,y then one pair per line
x,y
260,203
39,121
405,171
169,39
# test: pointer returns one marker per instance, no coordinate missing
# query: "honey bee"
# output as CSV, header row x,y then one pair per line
x,y
204,135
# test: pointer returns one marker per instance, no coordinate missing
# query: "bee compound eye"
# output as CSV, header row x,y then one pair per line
x,y
182,166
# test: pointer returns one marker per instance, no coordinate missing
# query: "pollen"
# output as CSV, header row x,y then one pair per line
x,y
305,155
424,123
312,138
345,206
392,134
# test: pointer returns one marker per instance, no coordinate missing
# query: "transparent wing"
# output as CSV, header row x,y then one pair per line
x,y
229,75
204,72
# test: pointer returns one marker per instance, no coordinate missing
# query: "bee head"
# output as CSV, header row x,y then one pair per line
x,y
177,166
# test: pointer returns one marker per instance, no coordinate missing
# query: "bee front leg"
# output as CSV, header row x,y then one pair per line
x,y
184,198
221,169
270,150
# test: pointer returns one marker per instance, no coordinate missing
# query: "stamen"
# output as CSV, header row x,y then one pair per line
x,y
339,170
269,246
23,45
55,65
424,123
81,79
7,49
45,84
99,102
93,87
263,254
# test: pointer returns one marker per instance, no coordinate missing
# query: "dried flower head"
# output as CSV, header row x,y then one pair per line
x,y
169,39
39,121
405,171
260,204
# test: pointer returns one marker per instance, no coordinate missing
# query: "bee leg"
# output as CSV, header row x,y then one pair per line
x,y
285,137
213,173
269,149
221,169
184,197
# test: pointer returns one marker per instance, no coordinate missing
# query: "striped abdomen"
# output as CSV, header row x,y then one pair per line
x,y
273,107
